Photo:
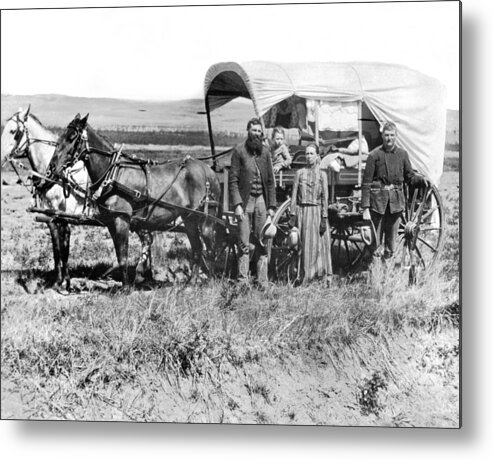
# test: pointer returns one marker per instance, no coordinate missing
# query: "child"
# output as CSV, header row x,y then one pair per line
x,y
281,159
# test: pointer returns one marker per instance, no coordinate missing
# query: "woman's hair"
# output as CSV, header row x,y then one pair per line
x,y
315,146
278,130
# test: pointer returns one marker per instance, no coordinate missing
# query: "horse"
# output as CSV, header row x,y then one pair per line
x,y
24,136
135,194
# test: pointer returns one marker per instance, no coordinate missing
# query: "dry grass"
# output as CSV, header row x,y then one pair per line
x,y
365,352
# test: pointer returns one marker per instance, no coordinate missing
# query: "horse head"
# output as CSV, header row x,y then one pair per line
x,y
71,146
14,136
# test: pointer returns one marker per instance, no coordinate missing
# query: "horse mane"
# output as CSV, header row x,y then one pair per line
x,y
31,115
99,136
36,119
48,132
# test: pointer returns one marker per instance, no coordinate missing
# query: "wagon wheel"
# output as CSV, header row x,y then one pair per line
x,y
284,261
350,237
225,254
420,234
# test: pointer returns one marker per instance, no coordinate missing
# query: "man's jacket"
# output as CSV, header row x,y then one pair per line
x,y
385,174
242,174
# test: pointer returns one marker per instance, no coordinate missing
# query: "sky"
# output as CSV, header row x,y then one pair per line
x,y
163,53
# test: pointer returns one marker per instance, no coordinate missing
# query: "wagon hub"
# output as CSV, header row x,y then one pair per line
x,y
411,230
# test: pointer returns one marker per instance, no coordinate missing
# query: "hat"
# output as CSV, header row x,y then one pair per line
x,y
293,238
268,231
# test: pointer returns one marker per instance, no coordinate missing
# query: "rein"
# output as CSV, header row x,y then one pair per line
x,y
108,176
120,159
217,155
156,202
32,172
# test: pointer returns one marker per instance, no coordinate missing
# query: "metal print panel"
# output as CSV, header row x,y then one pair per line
x,y
213,216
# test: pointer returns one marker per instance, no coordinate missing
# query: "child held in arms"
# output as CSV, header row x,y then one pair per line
x,y
281,159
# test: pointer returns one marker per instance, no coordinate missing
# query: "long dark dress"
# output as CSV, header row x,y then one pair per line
x,y
309,202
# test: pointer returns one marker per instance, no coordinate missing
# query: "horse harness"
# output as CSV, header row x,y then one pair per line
x,y
39,182
108,184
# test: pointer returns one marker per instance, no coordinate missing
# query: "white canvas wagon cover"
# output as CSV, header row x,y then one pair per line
x,y
413,101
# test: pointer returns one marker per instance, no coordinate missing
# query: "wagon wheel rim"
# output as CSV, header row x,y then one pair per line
x,y
421,230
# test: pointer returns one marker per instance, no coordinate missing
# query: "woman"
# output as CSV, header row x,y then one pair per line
x,y
281,159
309,203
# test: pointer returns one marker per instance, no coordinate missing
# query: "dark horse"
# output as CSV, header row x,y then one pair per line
x,y
141,195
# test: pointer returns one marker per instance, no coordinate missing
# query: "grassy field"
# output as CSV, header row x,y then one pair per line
x,y
359,353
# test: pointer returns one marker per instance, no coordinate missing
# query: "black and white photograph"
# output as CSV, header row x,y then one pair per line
x,y
241,214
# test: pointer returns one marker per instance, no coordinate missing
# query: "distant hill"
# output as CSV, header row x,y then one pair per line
x,y
105,113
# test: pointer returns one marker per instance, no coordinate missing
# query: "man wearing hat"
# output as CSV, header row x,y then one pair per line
x,y
253,197
382,197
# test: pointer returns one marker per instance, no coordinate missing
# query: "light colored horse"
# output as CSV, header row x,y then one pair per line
x,y
25,137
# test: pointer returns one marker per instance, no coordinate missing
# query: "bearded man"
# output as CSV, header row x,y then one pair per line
x,y
253,197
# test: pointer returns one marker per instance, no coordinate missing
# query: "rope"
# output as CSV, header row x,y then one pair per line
x,y
32,172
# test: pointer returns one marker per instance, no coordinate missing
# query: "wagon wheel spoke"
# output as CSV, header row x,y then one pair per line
x,y
357,246
413,204
429,213
421,235
404,218
417,213
421,206
347,251
224,257
339,250
430,229
427,244
283,261
421,257
355,262
283,258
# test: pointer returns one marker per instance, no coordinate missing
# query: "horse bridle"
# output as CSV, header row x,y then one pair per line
x,y
23,150
80,154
